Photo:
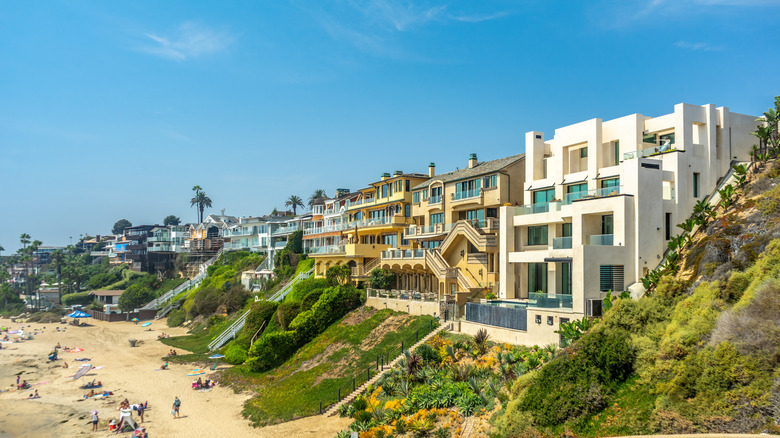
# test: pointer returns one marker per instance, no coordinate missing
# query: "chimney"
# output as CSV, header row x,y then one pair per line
x,y
472,161
398,173
431,169
385,176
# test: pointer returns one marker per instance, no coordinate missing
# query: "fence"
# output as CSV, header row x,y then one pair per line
x,y
143,314
507,317
383,359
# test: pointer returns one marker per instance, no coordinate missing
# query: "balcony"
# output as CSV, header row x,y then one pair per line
x,y
549,301
285,230
593,194
434,200
161,248
396,254
326,229
422,230
328,249
468,194
601,240
398,219
543,207
562,242
649,149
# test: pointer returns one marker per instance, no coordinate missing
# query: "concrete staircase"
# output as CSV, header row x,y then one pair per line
x,y
334,409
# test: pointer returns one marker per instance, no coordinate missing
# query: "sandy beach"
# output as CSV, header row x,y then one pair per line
x,y
129,373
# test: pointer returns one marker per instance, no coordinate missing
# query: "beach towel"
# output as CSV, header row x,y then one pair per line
x,y
196,372
83,359
76,350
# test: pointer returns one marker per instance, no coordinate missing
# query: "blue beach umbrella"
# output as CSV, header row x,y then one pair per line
x,y
78,314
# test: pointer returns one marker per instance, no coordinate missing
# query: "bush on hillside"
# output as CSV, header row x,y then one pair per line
x,y
82,298
260,312
334,303
235,354
134,297
304,287
311,298
234,298
272,350
206,300
176,318
102,280
286,313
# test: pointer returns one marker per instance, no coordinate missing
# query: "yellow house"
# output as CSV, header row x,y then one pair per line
x,y
376,222
454,235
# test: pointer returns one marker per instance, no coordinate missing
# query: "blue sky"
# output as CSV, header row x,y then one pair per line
x,y
114,110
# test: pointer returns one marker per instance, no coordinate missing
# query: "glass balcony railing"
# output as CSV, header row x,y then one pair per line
x,y
601,239
544,207
325,229
404,254
434,199
647,150
550,301
466,195
593,194
562,242
327,249
285,230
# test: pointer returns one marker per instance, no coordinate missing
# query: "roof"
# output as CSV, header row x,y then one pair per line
x,y
107,293
480,169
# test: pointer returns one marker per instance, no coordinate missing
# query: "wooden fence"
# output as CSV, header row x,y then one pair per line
x,y
143,314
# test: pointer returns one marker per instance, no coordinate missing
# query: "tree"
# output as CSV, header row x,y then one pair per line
x,y
318,195
57,257
120,226
1,249
201,200
382,279
294,202
338,275
134,297
171,220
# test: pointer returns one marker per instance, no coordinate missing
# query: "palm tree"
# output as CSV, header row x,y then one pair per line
x,y
24,239
201,200
1,249
294,202
318,195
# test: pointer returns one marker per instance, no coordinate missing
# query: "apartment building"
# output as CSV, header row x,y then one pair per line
x,y
455,224
249,234
603,199
376,218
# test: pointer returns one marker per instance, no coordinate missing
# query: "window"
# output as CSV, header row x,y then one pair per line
x,y
416,197
537,235
566,278
389,190
425,194
611,278
566,230
584,152
390,239
407,210
576,191
492,212
384,190
616,151
606,224
695,185
437,218
537,277
408,185
543,196
668,226
475,214
669,137
490,181
648,138
610,183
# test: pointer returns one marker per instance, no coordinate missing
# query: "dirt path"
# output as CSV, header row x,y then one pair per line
x,y
129,373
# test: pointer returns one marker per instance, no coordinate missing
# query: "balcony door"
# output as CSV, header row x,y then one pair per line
x,y
537,278
606,224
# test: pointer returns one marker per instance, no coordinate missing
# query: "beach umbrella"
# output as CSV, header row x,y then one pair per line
x,y
78,314
85,368
134,320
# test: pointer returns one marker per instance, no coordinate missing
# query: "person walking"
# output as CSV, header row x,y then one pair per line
x,y
95,421
176,406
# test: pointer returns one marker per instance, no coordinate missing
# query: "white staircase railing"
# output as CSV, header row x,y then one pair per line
x,y
238,325
189,284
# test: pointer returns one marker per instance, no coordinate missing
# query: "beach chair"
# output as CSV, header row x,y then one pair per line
x,y
213,367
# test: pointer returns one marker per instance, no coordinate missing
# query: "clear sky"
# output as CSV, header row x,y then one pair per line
x,y
115,109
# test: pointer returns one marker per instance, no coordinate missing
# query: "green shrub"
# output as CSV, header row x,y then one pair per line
x,y
334,303
311,298
286,313
83,298
272,350
234,298
428,353
134,297
235,354
304,287
260,312
102,280
206,300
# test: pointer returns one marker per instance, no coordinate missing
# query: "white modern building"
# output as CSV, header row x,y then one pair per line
x,y
603,199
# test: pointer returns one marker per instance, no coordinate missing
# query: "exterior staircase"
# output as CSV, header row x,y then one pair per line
x,y
334,409
238,324
476,236
189,284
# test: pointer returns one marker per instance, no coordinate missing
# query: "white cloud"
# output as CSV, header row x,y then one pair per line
x,y
696,46
190,40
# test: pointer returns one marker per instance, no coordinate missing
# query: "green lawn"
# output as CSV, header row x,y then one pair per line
x,y
329,362
197,341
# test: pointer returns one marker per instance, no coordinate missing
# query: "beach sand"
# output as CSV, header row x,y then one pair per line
x,y
128,373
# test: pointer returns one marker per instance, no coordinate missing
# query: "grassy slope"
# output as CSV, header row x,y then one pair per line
x,y
288,392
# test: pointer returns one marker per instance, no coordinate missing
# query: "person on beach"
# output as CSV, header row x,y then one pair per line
x,y
176,406
164,366
140,409
95,420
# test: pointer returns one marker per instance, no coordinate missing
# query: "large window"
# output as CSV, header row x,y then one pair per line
x,y
537,277
566,278
610,183
695,185
407,210
390,239
537,235
607,224
490,181
437,218
576,191
543,196
384,190
566,230
611,278
416,197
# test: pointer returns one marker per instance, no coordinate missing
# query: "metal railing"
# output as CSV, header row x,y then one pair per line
x,y
601,240
285,230
400,294
562,242
404,254
325,229
420,230
434,199
474,193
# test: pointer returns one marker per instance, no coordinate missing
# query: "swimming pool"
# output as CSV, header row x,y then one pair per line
x,y
509,304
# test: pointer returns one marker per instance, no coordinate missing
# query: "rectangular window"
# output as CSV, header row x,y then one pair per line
x,y
695,185
576,188
606,224
610,183
389,190
668,227
648,138
537,278
390,239
566,230
611,278
543,196
492,212
416,197
407,210
437,218
616,151
584,152
537,235
489,181
408,185
384,191
566,278
425,194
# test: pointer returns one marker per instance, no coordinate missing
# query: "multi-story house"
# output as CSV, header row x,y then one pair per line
x,y
249,234
377,216
206,237
138,249
455,225
603,199
329,218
